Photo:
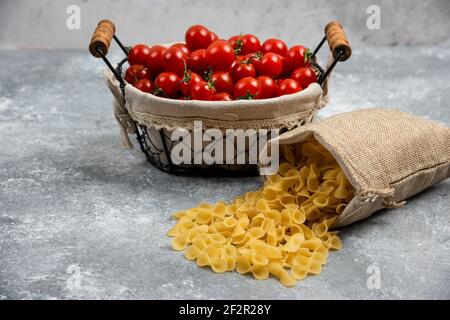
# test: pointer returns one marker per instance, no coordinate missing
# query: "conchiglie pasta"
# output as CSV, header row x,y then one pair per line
x,y
282,230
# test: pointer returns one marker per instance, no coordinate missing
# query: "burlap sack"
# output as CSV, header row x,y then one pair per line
x,y
387,155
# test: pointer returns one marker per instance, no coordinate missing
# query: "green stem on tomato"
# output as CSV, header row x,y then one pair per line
x,y
238,45
158,92
308,55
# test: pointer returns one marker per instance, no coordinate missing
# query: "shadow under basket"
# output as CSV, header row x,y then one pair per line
x,y
154,120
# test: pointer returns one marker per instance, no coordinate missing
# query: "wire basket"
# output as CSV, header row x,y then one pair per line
x,y
155,137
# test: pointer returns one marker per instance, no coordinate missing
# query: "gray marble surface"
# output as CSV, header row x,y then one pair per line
x,y
82,218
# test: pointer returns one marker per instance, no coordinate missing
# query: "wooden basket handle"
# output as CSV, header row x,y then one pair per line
x,y
102,37
337,40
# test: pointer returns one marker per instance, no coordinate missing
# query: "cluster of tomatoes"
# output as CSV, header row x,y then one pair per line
x,y
208,68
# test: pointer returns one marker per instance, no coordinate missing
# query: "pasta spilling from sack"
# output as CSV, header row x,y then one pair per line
x,y
282,230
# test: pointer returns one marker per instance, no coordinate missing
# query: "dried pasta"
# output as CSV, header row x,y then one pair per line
x,y
282,230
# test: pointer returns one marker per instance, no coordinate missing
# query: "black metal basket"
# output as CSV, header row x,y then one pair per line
x,y
156,143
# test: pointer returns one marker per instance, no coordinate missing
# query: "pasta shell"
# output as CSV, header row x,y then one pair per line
x,y
179,242
218,265
260,272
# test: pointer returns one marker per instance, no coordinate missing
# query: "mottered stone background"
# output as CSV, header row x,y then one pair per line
x,y
80,217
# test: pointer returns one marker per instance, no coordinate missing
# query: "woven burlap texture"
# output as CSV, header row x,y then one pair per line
x,y
386,154
152,111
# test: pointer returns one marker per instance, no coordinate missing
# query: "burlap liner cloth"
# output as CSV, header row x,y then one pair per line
x,y
387,155
146,109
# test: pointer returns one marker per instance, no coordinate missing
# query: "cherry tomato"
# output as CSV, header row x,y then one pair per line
x,y
276,46
198,37
246,88
197,61
268,87
213,36
222,96
256,60
250,44
237,59
183,47
145,85
296,57
138,54
288,86
202,91
245,44
236,43
220,55
233,39
174,60
136,72
304,76
271,65
222,81
167,84
154,60
189,79
242,70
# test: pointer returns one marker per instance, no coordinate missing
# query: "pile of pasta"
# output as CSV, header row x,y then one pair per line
x,y
281,229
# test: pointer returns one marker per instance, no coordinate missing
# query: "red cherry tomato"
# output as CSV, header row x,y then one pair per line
x,y
202,91
256,60
237,59
236,43
276,46
183,47
246,88
220,55
167,84
242,70
138,54
250,44
268,87
136,72
174,60
296,57
222,81
197,61
145,85
304,76
213,36
154,61
245,44
271,65
198,37
233,39
222,96
189,79
288,86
